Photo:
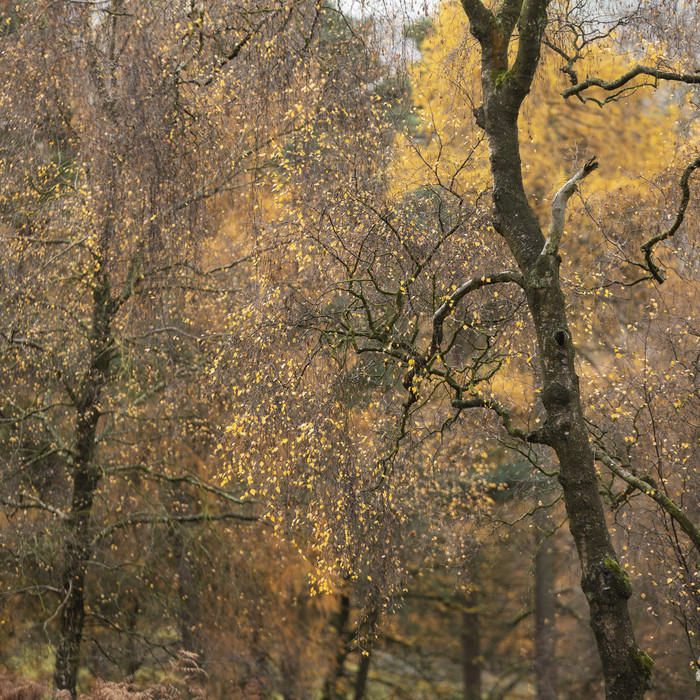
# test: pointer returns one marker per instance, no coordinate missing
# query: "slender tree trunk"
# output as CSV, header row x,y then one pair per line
x,y
366,655
188,612
505,84
340,624
545,632
132,615
188,585
362,674
471,648
86,477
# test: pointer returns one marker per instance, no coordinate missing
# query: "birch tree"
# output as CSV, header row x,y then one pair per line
x,y
416,289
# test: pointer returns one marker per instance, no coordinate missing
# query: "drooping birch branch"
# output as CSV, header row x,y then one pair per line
x,y
561,198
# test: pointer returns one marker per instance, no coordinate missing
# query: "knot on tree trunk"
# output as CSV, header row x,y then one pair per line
x,y
556,395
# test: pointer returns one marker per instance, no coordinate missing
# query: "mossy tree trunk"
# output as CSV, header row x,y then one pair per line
x,y
505,84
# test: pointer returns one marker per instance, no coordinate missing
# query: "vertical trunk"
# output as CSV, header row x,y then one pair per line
x,y
505,84
366,655
188,592
545,633
71,622
362,674
188,609
340,624
626,669
86,477
132,658
471,648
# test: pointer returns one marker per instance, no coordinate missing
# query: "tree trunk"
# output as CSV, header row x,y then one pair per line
x,y
370,624
626,669
471,648
362,674
86,477
545,633
342,644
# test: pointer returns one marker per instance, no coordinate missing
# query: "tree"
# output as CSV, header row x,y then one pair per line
x,y
123,126
406,295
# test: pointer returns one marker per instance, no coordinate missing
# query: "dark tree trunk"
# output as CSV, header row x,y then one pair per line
x,y
471,648
342,648
626,669
86,477
545,605
188,601
362,674
370,624
133,662
188,582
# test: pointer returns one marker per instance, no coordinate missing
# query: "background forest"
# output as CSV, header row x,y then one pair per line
x,y
349,352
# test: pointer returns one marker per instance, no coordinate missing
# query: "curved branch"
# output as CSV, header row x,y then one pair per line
x,y
191,479
650,489
647,248
561,198
447,307
502,412
60,608
612,85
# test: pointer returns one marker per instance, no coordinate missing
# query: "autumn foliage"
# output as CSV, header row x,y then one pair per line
x,y
349,354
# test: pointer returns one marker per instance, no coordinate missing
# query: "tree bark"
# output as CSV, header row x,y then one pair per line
x,y
626,669
363,674
471,648
86,477
545,633
362,677
342,644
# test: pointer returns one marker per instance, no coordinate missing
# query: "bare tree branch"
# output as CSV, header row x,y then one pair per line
x,y
153,519
556,229
496,407
31,502
649,487
614,85
469,286
648,247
